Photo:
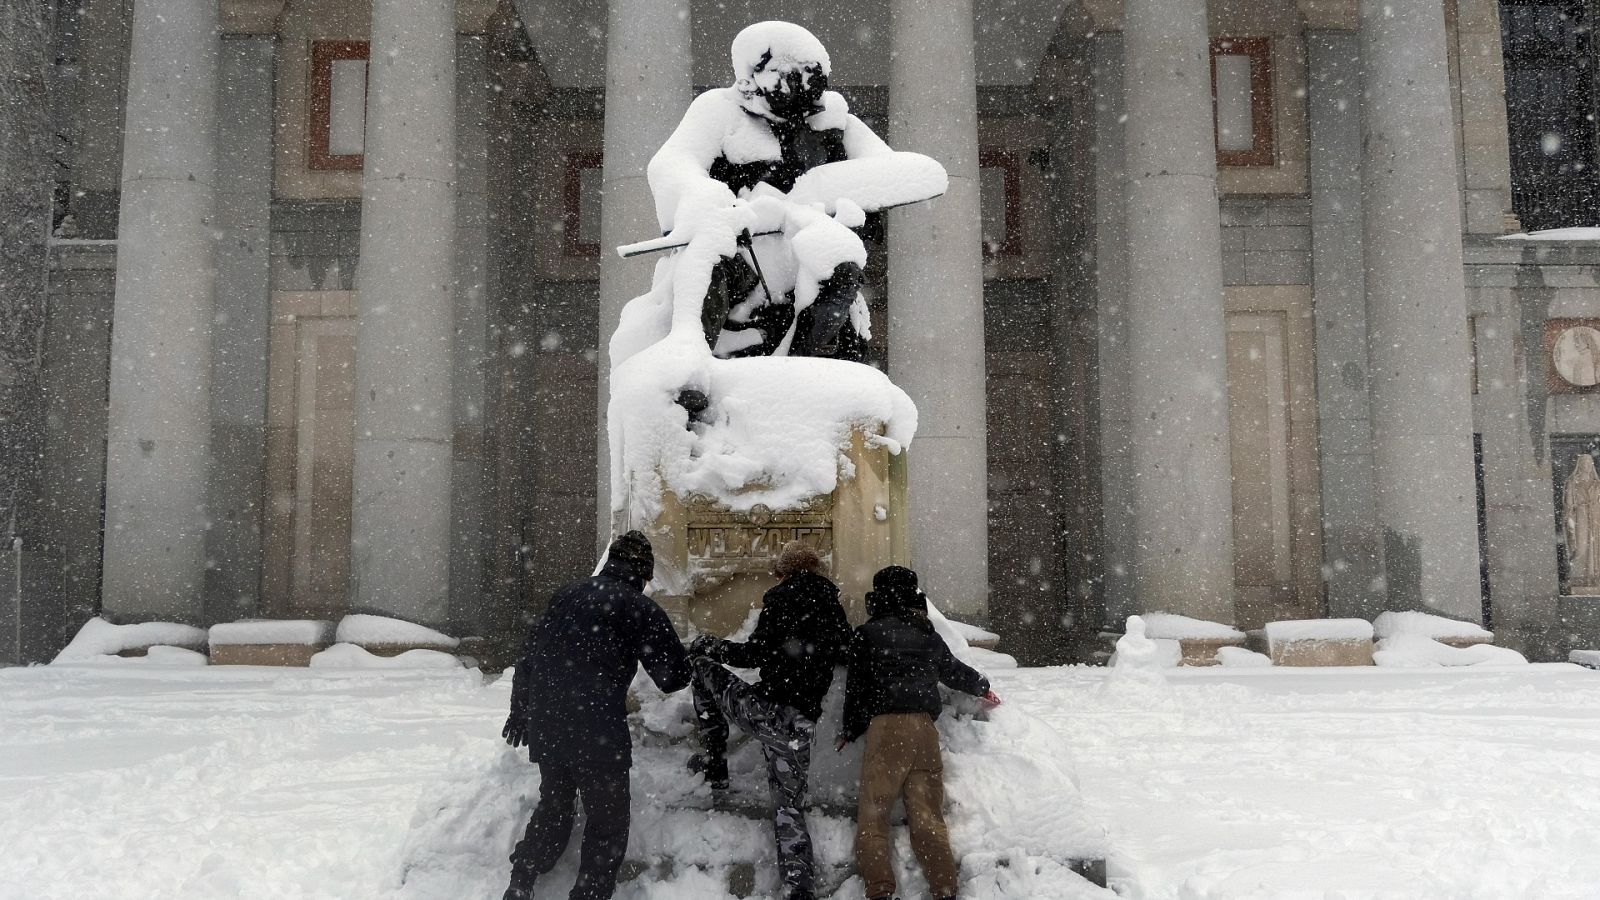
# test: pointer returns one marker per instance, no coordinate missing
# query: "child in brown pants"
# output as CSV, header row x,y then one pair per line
x,y
897,661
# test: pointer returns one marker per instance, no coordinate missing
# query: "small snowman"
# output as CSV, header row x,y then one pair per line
x,y
1138,658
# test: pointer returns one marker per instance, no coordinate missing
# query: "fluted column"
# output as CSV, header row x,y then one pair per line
x,y
648,88
158,448
935,322
400,524
1417,346
1177,336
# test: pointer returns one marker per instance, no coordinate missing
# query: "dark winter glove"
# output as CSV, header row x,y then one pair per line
x,y
709,646
515,731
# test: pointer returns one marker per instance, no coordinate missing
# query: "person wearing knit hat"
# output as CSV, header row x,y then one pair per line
x,y
799,637
568,706
897,662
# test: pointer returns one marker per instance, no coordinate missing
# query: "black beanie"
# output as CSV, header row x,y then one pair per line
x,y
894,589
895,580
632,551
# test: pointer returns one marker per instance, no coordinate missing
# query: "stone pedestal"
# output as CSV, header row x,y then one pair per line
x,y
727,556
1322,653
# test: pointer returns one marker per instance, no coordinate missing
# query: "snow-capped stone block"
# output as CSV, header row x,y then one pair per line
x,y
385,636
99,638
1451,632
1408,650
269,642
1320,642
1589,659
1198,639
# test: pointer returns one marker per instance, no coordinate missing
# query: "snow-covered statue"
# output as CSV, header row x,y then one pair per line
x,y
782,144
740,417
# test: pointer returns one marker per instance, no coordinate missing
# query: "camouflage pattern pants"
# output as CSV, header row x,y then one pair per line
x,y
785,734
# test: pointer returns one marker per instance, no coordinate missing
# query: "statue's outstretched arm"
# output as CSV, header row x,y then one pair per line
x,y
860,142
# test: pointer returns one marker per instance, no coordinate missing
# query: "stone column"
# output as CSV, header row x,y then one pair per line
x,y
1350,542
1111,328
243,301
405,330
648,88
935,322
1177,338
159,427
1417,343
471,494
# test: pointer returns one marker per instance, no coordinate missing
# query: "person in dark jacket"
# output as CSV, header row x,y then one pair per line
x,y
897,662
799,637
568,706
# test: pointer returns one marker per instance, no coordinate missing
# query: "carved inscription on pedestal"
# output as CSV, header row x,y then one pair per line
x,y
724,541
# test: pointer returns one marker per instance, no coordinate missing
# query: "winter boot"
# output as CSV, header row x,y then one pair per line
x,y
715,768
521,886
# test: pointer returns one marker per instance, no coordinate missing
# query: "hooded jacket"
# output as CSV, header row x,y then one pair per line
x,y
572,681
800,636
898,660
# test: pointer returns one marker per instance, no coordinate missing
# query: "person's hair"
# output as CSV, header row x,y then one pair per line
x,y
796,557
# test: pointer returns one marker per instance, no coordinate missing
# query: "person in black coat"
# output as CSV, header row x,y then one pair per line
x,y
568,706
799,637
897,661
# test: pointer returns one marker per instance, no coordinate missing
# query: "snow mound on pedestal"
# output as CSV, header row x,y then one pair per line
x,y
1171,626
363,628
774,434
1393,624
98,638
1416,651
271,631
1318,630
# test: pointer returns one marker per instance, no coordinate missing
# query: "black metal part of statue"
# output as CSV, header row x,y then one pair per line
x,y
777,122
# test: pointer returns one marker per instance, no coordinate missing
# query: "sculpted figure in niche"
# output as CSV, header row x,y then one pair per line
x,y
1581,520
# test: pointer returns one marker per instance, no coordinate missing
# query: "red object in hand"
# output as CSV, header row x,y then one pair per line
x,y
990,700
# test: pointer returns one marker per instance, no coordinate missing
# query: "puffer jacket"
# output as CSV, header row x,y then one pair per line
x,y
897,661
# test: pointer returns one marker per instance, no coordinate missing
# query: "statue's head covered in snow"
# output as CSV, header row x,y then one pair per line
x,y
781,70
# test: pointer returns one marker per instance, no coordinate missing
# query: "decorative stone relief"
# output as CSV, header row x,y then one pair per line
x,y
1573,349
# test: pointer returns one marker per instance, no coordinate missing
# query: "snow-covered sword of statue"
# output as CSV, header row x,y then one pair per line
x,y
873,183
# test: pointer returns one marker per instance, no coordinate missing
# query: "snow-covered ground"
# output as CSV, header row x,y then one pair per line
x,y
1338,783
135,781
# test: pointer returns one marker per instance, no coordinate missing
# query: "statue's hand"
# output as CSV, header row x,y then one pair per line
x,y
768,213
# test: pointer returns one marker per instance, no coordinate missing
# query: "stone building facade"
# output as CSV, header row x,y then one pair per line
x,y
1216,318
